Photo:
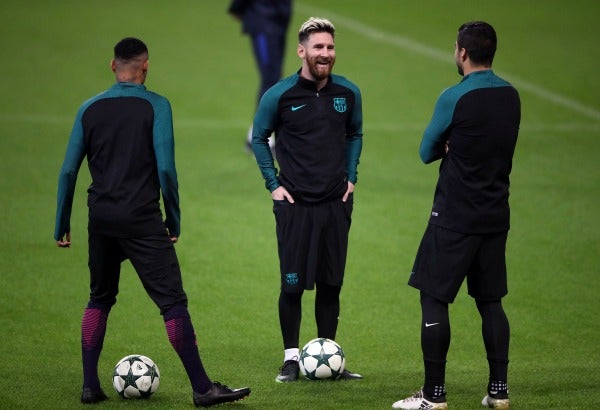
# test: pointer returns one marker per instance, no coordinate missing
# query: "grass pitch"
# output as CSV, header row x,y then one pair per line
x,y
56,54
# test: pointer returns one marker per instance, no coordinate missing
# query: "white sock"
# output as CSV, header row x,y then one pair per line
x,y
291,354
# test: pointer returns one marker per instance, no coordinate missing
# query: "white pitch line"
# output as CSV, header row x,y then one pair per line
x,y
436,54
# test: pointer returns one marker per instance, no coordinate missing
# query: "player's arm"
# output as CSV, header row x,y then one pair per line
x,y
164,149
262,128
67,180
354,136
435,137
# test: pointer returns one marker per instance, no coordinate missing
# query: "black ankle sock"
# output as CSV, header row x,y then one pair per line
x,y
498,389
434,392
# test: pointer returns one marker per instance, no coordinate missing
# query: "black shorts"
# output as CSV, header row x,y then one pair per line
x,y
445,257
153,258
312,241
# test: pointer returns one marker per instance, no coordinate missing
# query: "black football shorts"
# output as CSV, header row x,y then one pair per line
x,y
312,241
446,257
153,258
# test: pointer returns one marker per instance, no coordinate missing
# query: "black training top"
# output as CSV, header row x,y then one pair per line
x,y
126,133
479,118
318,137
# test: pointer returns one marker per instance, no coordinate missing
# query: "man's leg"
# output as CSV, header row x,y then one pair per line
x,y
496,337
327,310
435,342
105,265
183,339
157,266
290,316
93,329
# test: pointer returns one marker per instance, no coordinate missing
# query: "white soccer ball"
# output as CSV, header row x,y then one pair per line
x,y
136,376
322,359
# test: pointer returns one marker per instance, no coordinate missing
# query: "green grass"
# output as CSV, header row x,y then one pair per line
x,y
56,54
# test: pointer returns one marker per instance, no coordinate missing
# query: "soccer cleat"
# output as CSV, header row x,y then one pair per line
x,y
418,402
219,393
496,403
348,375
89,395
289,372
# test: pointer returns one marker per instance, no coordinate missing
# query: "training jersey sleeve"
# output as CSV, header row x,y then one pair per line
x,y
436,134
164,149
354,136
68,178
265,122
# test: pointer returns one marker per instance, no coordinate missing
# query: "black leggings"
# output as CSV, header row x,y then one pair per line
x,y
435,338
327,311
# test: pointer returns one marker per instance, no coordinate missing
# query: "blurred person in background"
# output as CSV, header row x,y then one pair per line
x,y
266,23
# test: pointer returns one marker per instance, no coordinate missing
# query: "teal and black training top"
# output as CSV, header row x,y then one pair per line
x,y
126,133
318,137
479,119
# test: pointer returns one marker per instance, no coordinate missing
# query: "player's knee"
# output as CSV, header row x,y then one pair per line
x,y
175,312
487,307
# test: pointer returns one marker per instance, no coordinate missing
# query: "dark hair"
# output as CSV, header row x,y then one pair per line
x,y
479,39
130,47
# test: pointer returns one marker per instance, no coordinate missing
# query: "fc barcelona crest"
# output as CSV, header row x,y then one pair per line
x,y
340,104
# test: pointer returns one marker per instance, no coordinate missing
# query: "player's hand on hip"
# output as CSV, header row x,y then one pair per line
x,y
65,241
280,194
348,191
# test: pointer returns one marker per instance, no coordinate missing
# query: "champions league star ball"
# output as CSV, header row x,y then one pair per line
x,y
322,359
135,377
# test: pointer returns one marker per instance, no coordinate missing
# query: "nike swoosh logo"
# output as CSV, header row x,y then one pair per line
x,y
294,108
431,324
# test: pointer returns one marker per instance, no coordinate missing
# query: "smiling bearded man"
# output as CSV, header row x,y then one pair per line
x,y
317,120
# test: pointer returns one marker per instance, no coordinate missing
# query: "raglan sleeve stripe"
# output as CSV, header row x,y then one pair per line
x,y
434,137
68,178
354,136
164,149
264,124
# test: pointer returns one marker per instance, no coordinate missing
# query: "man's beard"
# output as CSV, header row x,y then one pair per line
x,y
320,74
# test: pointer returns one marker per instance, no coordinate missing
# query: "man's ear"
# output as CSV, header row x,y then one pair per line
x,y
301,51
113,65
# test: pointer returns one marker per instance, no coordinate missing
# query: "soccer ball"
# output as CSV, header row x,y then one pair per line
x,y
322,359
136,376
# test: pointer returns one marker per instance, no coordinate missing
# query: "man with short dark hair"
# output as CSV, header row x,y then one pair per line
x,y
126,133
474,131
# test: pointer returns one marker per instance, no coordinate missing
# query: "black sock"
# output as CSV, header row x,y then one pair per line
x,y
183,339
435,392
498,389
327,310
435,341
290,315
93,329
496,336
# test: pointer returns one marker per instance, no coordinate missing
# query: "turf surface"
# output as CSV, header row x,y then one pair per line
x,y
56,54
